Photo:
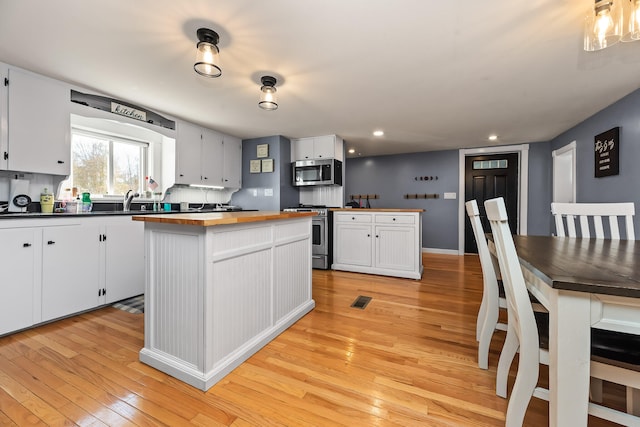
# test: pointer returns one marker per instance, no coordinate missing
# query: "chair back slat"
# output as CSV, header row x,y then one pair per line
x,y
591,216
486,261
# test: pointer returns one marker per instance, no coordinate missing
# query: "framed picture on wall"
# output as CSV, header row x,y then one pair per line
x,y
267,165
607,153
254,166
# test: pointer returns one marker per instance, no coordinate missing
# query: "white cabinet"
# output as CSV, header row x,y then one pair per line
x,y
70,269
212,158
4,150
38,126
123,258
379,242
61,266
17,291
353,237
199,156
317,147
232,168
188,153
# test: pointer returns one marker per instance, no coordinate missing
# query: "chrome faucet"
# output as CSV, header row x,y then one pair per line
x,y
128,198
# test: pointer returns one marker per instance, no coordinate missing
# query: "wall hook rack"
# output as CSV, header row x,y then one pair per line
x,y
364,196
422,196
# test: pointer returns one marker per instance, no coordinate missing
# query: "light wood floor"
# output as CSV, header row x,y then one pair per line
x,y
407,359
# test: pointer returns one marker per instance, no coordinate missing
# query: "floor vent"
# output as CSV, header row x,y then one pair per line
x,y
361,302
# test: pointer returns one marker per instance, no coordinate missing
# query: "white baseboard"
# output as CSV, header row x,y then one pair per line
x,y
440,251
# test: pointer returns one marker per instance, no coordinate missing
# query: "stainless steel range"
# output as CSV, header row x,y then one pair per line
x,y
322,235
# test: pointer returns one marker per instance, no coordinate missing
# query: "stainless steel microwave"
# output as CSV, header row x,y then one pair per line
x,y
317,172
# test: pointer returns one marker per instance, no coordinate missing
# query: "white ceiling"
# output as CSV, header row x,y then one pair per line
x,y
432,74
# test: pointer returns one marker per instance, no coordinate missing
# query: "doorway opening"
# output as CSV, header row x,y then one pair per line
x,y
521,209
564,173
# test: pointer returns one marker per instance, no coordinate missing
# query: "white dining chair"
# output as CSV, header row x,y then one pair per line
x,y
591,216
493,297
523,335
487,322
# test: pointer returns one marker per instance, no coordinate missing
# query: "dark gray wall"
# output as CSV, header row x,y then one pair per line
x,y
391,177
540,187
252,194
620,188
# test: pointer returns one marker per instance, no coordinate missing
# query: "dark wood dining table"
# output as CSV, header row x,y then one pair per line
x,y
584,283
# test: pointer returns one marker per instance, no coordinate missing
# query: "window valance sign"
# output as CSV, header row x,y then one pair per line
x,y
607,153
121,108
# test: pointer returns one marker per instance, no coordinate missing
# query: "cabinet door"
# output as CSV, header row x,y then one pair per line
x,y
17,263
232,168
188,153
324,147
70,269
302,149
395,247
124,260
39,124
212,158
4,150
353,244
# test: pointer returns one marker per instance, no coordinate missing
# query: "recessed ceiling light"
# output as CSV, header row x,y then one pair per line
x,y
493,137
351,151
378,133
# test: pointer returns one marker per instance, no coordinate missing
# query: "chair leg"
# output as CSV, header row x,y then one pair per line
x,y
526,381
633,401
595,389
482,316
507,354
486,333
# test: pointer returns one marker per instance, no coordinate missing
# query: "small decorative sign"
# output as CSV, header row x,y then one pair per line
x,y
267,165
126,111
607,153
262,150
254,166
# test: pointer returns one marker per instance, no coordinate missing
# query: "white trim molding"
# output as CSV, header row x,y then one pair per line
x,y
523,185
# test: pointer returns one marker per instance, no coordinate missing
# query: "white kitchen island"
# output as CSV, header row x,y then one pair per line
x,y
220,286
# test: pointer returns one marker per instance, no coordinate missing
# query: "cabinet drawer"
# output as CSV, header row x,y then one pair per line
x,y
395,219
355,217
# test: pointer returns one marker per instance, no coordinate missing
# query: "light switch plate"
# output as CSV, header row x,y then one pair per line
x,y
268,192
449,195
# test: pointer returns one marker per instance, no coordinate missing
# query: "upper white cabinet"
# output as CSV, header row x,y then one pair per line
x,y
212,158
232,168
38,125
207,157
317,147
4,86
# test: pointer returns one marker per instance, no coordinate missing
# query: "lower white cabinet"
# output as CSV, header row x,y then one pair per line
x,y
378,242
18,285
57,267
70,269
123,246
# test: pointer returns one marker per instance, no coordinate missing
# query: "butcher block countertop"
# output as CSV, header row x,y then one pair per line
x,y
221,218
375,210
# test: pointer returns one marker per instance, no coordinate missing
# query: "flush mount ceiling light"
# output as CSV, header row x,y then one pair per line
x,y
207,58
493,137
378,133
610,21
268,98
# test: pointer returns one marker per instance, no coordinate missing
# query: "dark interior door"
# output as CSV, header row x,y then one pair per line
x,y
486,177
